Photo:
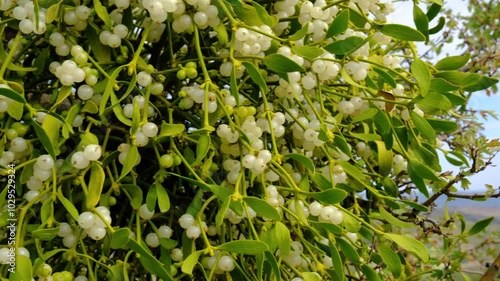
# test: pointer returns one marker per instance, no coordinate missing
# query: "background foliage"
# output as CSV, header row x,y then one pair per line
x,y
259,140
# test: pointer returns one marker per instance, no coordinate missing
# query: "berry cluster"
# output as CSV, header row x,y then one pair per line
x,y
93,224
81,159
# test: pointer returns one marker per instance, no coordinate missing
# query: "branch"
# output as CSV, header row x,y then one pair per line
x,y
492,271
472,196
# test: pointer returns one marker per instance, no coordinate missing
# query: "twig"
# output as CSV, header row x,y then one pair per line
x,y
492,271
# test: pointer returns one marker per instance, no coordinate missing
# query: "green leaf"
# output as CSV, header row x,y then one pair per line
x,y
120,238
441,86
102,13
346,46
271,260
308,52
385,159
391,220
245,247
62,94
410,244
367,114
52,12
337,261
68,205
352,171
311,276
424,127
416,206
262,208
169,130
470,82
23,269
130,161
50,126
452,62
330,196
281,235
300,34
163,199
332,228
255,75
348,250
391,259
402,32
370,273
386,77
339,24
281,64
433,103
382,122
95,186
479,226
221,214
150,263
45,234
151,198
135,193
439,26
263,15
433,11
340,142
422,170
321,181
248,14
43,138
421,21
421,72
306,161
202,148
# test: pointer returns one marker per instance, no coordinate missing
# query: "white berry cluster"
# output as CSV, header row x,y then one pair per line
x,y
7,257
114,39
222,263
69,72
123,148
93,224
337,173
236,219
128,109
194,94
327,213
25,12
380,10
42,171
325,68
317,17
294,258
392,61
364,150
78,17
284,9
81,159
67,234
250,42
206,15
399,164
273,197
153,238
192,227
144,133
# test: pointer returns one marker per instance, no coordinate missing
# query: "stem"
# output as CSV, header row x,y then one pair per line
x,y
10,55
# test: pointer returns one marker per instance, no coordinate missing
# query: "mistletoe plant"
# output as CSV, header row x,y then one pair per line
x,y
227,140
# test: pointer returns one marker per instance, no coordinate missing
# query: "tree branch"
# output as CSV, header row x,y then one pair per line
x,y
492,271
472,196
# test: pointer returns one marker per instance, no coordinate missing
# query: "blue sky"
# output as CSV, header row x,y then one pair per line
x,y
479,100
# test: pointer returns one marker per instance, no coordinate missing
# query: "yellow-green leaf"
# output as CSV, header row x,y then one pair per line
x,y
95,186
